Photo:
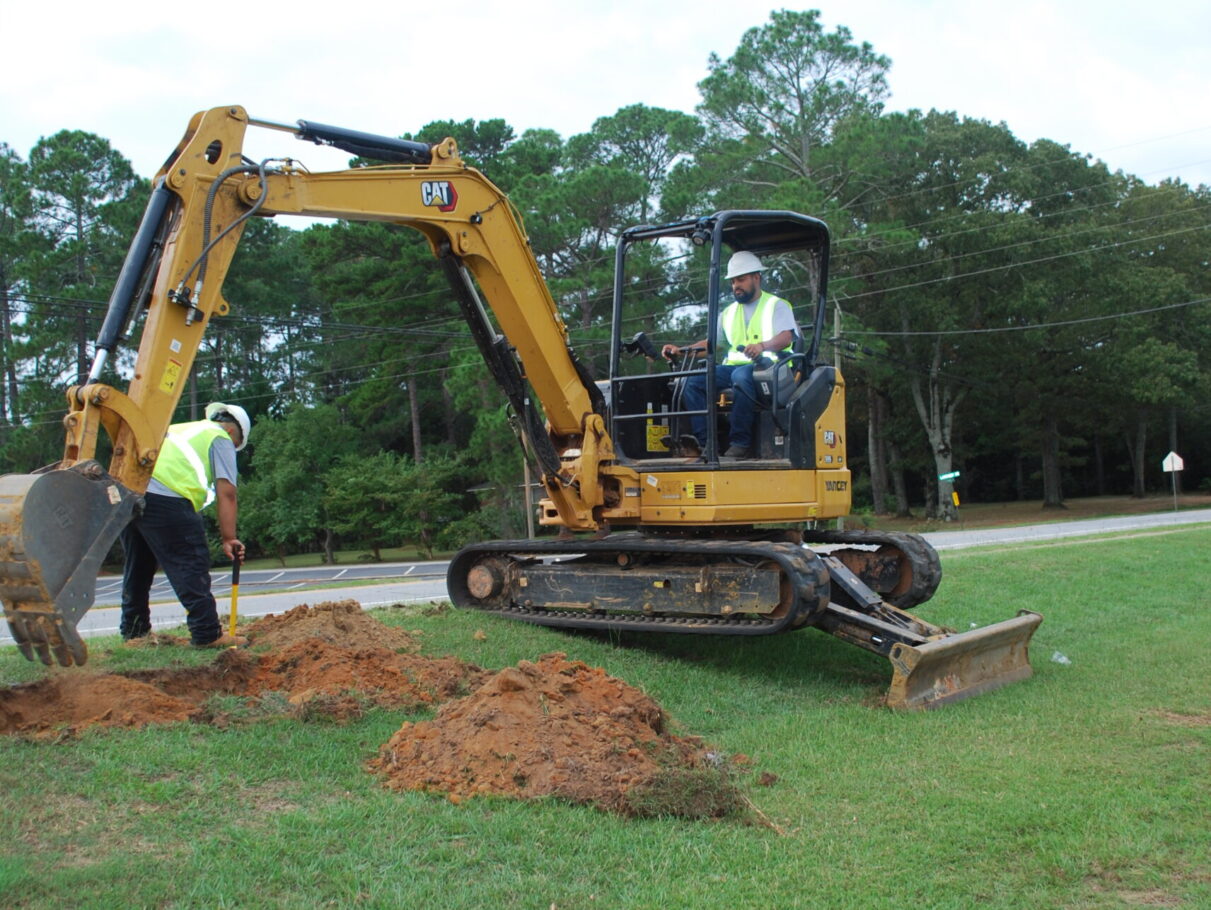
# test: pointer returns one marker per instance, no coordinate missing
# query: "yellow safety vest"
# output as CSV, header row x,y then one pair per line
x,y
757,330
184,462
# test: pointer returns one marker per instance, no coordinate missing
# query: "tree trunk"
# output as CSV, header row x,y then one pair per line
x,y
5,347
329,547
414,413
898,484
932,510
448,404
1099,465
426,538
82,365
876,451
1053,491
1135,448
14,409
218,366
1177,475
936,407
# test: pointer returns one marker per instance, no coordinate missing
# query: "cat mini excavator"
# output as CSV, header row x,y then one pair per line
x,y
654,533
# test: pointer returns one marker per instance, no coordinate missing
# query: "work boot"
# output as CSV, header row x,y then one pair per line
x,y
226,640
689,445
737,452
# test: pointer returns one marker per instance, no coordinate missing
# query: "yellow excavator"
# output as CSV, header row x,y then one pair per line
x,y
654,532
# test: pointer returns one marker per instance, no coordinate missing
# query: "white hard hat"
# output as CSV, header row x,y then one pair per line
x,y
216,410
743,263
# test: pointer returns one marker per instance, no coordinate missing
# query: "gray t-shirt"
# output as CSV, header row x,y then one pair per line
x,y
222,465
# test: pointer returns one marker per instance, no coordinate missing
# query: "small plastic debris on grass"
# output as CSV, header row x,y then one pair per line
x,y
1061,659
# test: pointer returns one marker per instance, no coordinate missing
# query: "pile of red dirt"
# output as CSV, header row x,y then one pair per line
x,y
553,727
556,728
341,622
313,668
333,658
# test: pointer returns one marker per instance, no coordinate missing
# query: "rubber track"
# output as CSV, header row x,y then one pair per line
x,y
808,570
921,556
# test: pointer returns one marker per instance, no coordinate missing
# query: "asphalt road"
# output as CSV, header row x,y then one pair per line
x,y
277,590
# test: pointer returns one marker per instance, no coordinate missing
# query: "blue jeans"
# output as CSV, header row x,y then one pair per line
x,y
169,534
744,401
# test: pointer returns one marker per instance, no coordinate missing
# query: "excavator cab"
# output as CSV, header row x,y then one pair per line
x,y
649,419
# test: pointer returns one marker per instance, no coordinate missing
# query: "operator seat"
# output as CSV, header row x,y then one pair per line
x,y
777,380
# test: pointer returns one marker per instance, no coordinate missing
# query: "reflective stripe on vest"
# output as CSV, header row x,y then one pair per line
x,y
184,462
760,328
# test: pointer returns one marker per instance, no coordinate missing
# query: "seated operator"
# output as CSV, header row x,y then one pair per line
x,y
757,322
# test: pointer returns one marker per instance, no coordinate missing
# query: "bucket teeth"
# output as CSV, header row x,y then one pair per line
x,y
55,530
47,636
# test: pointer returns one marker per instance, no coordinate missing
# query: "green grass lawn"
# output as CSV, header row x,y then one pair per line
x,y
1086,786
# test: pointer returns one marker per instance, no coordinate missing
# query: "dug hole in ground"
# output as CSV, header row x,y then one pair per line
x,y
548,727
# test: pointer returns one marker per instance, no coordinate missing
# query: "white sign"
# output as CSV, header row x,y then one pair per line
x,y
1172,462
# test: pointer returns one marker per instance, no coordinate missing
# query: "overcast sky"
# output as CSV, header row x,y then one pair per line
x,y
1128,83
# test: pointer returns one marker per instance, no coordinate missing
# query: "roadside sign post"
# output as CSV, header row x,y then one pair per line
x,y
1171,465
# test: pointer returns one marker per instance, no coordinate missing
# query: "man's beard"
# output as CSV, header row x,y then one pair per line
x,y
744,296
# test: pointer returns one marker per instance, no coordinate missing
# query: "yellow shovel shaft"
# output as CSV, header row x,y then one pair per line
x,y
235,597
236,556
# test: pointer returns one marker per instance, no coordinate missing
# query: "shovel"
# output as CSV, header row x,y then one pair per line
x,y
235,587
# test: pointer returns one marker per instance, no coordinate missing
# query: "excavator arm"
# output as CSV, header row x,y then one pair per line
x,y
57,526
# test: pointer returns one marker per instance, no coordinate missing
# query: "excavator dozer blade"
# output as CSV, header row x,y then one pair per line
x,y
963,665
55,530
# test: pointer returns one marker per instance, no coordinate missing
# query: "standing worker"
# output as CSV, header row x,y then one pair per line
x,y
756,323
196,466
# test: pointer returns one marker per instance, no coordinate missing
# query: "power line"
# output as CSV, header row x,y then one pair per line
x,y
1039,325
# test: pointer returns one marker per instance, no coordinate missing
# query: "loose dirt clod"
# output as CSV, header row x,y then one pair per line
x,y
557,728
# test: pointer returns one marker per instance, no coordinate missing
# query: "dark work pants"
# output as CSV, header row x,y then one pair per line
x,y
169,534
744,401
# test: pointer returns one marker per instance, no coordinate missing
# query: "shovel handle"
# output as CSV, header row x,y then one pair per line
x,y
235,587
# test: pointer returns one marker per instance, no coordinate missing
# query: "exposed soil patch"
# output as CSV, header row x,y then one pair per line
x,y
1185,720
65,704
333,658
552,727
558,728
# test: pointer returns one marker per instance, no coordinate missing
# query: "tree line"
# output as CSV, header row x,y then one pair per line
x,y
1014,311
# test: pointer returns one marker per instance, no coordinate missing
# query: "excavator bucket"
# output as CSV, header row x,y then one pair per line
x,y
962,665
55,530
